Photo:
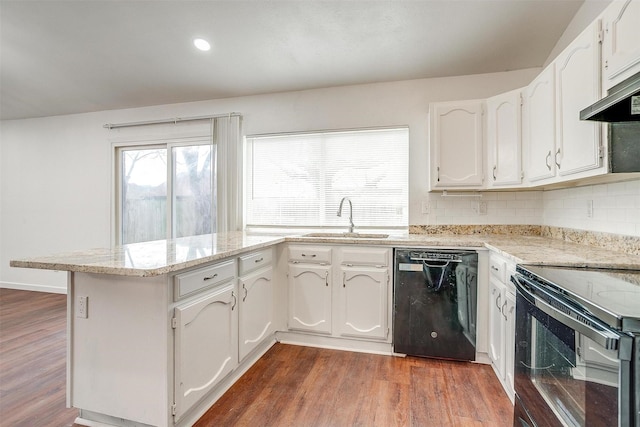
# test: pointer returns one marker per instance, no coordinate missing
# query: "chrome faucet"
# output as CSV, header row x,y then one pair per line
x,y
350,212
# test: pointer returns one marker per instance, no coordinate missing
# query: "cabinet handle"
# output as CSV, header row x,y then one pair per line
x,y
502,310
235,300
556,158
547,160
344,280
498,302
326,278
311,255
246,292
494,172
438,173
259,260
494,268
211,277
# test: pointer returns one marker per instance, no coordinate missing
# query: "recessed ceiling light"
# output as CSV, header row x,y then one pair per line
x,y
201,44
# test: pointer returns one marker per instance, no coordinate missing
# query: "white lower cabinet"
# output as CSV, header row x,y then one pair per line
x,y
363,302
502,311
310,298
256,295
340,291
256,310
206,350
497,326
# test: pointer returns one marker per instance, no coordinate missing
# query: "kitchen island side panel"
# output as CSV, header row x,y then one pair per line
x,y
119,353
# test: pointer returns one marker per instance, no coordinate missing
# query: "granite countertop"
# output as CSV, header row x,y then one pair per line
x,y
152,258
166,256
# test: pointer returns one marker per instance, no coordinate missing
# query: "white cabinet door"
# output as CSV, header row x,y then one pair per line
x,y
206,344
621,49
496,326
456,139
539,126
504,139
509,312
363,302
310,298
577,87
256,309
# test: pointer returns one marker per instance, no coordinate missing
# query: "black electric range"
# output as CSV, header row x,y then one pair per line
x,y
577,347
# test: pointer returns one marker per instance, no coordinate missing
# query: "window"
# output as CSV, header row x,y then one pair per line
x,y
298,180
176,178
166,191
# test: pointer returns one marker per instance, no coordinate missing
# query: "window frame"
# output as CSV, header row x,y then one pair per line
x,y
168,144
247,176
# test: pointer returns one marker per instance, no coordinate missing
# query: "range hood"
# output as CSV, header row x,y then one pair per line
x,y
622,104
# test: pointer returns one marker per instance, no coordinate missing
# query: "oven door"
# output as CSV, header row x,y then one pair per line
x,y
568,366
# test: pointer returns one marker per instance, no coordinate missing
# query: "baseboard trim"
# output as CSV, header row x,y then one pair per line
x,y
33,287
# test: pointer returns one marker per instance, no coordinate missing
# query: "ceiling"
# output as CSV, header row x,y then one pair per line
x,y
62,57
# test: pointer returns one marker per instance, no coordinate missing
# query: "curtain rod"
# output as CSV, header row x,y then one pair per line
x,y
174,121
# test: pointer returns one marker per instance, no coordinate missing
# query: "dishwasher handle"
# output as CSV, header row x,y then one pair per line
x,y
425,260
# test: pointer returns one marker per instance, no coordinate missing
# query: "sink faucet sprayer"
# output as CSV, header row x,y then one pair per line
x,y
350,212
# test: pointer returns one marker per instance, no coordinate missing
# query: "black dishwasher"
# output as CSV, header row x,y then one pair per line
x,y
434,310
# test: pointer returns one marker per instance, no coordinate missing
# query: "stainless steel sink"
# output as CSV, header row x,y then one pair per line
x,y
349,235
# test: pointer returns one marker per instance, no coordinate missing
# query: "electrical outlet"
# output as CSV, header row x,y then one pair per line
x,y
589,208
482,208
425,207
83,307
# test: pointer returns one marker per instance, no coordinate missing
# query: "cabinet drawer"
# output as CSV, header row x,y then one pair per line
x,y
312,254
202,278
365,256
254,260
498,267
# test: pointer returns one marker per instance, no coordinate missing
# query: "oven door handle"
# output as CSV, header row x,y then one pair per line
x,y
604,337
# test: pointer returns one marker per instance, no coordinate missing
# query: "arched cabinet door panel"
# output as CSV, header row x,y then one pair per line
x,y
456,141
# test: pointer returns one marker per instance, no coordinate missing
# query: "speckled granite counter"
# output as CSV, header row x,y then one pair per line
x,y
166,256
153,258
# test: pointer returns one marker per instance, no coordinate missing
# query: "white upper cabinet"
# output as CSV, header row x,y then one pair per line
x,y
621,41
578,142
539,126
504,139
456,140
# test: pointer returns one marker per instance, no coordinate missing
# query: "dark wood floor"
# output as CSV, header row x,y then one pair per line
x,y
301,386
289,386
33,349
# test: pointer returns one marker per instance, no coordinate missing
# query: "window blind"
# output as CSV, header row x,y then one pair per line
x,y
298,180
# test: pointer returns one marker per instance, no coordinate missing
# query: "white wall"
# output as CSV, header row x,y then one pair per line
x,y
56,172
587,13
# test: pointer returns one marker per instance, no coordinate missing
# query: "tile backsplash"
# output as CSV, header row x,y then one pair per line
x,y
606,208
609,208
523,207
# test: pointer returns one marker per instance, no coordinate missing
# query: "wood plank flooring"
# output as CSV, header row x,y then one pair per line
x,y
33,351
289,386
302,386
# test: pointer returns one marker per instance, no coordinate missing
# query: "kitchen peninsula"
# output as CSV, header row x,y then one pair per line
x,y
142,349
